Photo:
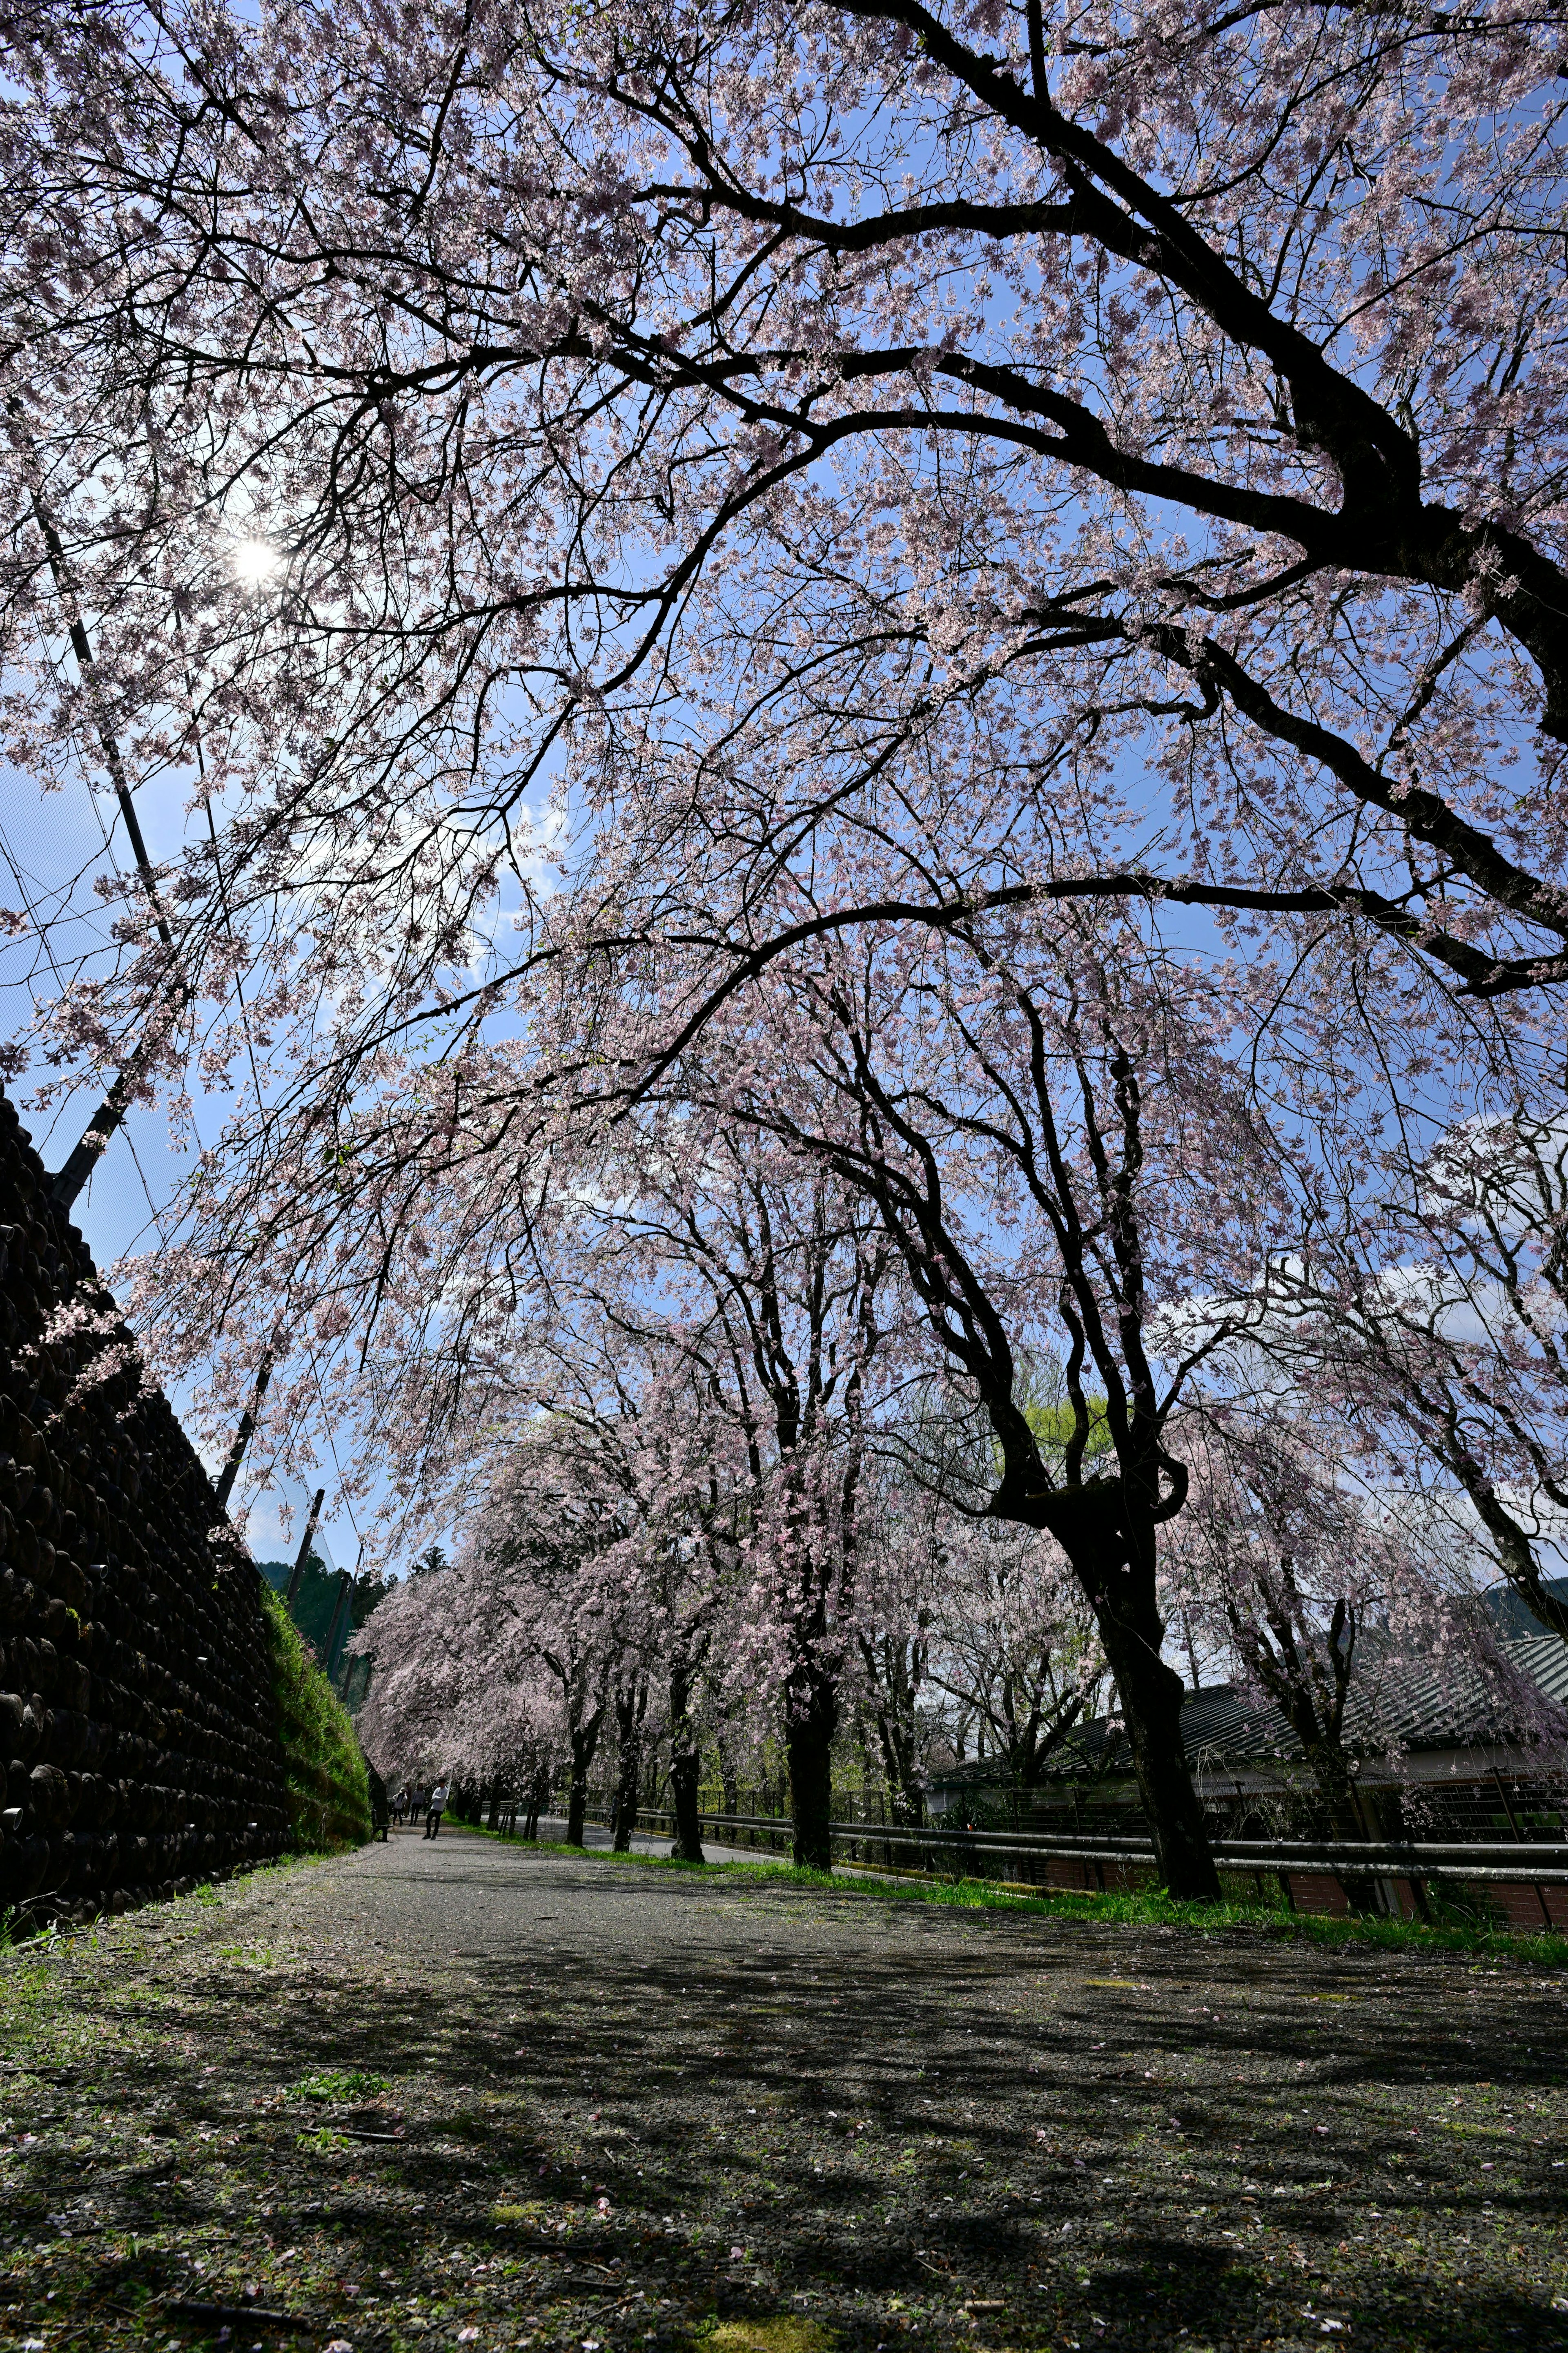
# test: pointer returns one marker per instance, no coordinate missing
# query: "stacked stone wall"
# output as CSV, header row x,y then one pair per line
x,y
138,1735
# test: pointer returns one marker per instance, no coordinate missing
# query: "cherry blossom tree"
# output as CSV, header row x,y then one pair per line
x,y
1336,1598
740,1310
842,485
692,1352
1145,435
459,1686
1294,1565
1444,1322
899,1553
1043,1122
552,1608
968,1628
1016,1656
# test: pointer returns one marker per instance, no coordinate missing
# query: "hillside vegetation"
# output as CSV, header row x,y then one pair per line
x,y
328,1789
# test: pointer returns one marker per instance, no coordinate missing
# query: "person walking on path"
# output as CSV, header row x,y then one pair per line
x,y
438,1807
416,1802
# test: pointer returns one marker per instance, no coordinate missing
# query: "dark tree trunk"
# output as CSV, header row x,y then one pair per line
x,y
808,1743
685,1767
495,1806
584,1740
1111,1541
538,1796
685,1774
729,1789
1152,1694
631,1704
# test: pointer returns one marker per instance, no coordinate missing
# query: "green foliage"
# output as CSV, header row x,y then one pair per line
x,y
328,1787
1041,1398
340,2083
319,1593
1052,1421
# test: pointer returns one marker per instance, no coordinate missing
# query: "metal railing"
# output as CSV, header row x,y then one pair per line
x,y
1526,1863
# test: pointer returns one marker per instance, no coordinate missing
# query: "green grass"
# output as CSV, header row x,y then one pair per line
x,y
1144,1908
328,1791
341,2083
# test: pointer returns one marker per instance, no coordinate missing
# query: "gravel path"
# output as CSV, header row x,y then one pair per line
x,y
606,2107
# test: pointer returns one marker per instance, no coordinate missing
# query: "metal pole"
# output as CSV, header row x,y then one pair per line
x,y
242,1435
340,1623
305,1543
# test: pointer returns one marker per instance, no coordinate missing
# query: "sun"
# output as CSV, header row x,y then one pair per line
x,y
255,560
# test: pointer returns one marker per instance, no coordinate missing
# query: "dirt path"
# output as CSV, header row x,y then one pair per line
x,y
620,2101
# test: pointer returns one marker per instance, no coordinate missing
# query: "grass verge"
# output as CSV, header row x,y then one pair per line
x,y
1145,1908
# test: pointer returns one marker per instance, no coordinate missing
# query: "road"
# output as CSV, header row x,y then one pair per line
x,y
458,2094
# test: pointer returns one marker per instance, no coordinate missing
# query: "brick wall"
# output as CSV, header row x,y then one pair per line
x,y
138,1740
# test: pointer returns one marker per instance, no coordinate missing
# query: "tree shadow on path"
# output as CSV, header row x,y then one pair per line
x,y
452,2086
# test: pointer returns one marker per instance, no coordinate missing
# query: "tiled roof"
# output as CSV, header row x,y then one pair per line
x,y
1392,1705
1544,1659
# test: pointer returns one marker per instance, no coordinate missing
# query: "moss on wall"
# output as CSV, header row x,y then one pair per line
x,y
327,1789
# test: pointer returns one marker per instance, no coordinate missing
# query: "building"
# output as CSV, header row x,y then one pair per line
x,y
1456,1756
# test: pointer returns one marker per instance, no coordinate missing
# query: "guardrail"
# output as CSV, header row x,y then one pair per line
x,y
1525,1864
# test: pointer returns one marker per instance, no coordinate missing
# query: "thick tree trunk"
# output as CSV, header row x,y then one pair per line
x,y
1151,1694
1112,1543
685,1776
584,1740
630,1705
808,1743
684,1769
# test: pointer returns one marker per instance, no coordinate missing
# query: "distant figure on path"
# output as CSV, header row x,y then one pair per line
x,y
417,1803
438,1807
380,1810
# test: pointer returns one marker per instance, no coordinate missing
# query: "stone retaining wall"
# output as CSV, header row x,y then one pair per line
x,y
138,1741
